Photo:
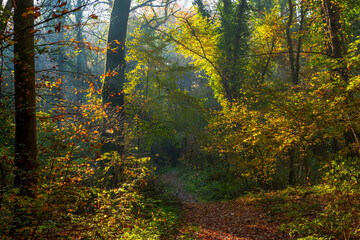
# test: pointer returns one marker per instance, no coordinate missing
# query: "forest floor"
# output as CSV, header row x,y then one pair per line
x,y
235,219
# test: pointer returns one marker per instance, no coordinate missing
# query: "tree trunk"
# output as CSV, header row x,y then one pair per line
x,y
294,76
25,102
292,177
331,10
113,85
234,27
202,9
81,57
294,56
5,16
227,30
25,114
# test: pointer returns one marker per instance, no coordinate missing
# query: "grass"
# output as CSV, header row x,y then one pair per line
x,y
314,213
325,211
213,185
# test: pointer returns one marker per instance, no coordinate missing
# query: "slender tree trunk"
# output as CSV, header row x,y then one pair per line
x,y
202,9
80,58
294,75
294,61
5,16
292,177
25,102
226,24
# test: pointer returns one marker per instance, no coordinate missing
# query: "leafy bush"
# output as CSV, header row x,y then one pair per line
x,y
68,208
214,185
314,213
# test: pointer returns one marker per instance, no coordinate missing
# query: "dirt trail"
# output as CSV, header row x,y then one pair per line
x,y
231,220
171,179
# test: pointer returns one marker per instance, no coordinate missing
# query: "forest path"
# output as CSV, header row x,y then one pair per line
x,y
231,220
172,179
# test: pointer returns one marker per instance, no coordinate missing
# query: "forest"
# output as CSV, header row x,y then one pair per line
x,y
180,119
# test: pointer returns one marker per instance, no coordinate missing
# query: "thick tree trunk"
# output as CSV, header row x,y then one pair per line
x,y
25,102
235,30
331,10
113,86
25,169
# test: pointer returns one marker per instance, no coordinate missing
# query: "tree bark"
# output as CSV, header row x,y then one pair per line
x,y
113,85
234,27
294,76
331,10
5,16
202,9
25,102
227,29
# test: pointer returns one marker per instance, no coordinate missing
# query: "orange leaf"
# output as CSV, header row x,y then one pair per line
x,y
93,16
62,4
33,30
37,14
58,27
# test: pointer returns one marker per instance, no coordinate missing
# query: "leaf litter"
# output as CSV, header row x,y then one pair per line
x,y
232,220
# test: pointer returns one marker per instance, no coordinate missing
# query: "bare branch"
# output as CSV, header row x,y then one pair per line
x,y
45,21
149,3
202,55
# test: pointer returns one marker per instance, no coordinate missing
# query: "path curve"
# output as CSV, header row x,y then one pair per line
x,y
237,219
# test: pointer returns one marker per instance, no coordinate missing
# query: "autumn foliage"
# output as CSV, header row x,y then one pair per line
x,y
254,106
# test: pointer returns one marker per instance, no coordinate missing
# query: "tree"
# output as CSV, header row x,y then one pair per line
x,y
294,61
337,46
4,18
5,15
25,102
202,9
233,45
25,107
113,85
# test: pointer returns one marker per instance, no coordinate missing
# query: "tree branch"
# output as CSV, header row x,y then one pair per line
x,y
44,21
